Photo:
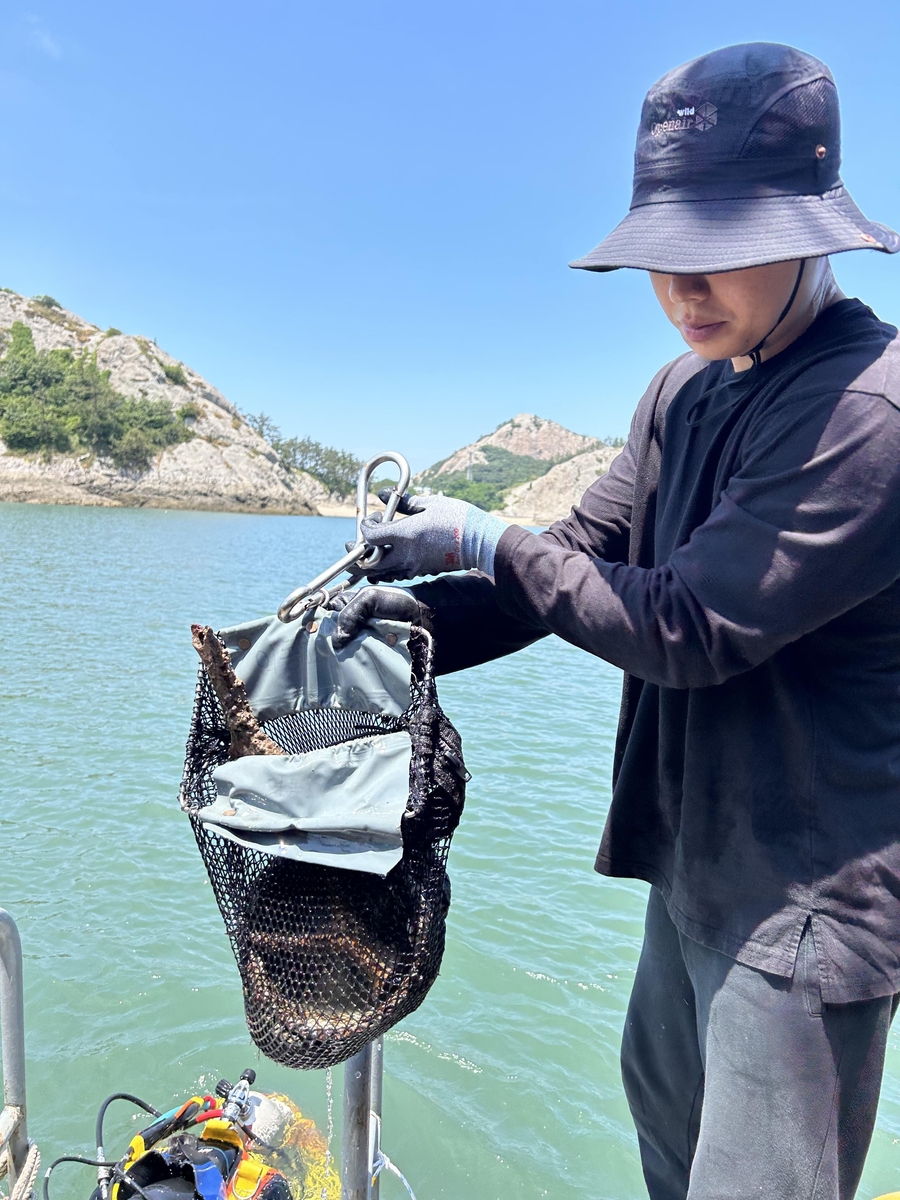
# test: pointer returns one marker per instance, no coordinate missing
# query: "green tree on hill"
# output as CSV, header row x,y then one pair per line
x,y
337,469
56,401
488,496
485,484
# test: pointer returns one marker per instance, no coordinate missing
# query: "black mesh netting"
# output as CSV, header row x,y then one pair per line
x,y
331,958
798,121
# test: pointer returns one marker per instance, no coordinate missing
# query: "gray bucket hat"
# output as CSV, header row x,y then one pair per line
x,y
737,164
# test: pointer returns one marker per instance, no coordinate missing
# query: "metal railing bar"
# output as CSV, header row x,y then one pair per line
x,y
13,1130
355,1165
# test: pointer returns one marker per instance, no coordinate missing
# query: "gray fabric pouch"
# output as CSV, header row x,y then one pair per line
x,y
338,806
286,667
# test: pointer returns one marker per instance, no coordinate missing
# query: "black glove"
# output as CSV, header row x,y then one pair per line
x,y
389,603
402,504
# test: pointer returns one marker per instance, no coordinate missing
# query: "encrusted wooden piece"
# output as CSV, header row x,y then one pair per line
x,y
247,736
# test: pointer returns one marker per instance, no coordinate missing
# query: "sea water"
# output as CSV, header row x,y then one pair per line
x,y
505,1084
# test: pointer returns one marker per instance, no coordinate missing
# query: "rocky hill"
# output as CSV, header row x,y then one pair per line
x,y
525,436
529,470
224,466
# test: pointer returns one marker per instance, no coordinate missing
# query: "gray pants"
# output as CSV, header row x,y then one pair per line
x,y
744,1084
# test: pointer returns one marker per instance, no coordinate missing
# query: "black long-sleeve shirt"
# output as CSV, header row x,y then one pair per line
x,y
741,562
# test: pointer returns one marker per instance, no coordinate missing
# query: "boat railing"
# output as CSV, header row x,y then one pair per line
x,y
13,1130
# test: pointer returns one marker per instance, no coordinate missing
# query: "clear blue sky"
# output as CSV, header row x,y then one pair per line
x,y
357,216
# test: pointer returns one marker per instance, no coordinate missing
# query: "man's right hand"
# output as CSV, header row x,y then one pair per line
x,y
370,603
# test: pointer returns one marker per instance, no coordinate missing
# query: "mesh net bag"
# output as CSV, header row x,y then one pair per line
x,y
329,957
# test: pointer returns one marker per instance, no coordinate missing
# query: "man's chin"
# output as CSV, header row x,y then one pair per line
x,y
710,350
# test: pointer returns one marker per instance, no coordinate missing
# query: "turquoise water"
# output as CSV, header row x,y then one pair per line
x,y
504,1085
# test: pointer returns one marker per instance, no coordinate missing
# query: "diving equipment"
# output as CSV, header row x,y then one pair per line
x,y
239,1144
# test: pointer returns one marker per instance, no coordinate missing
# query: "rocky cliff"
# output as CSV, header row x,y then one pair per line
x,y
550,497
226,466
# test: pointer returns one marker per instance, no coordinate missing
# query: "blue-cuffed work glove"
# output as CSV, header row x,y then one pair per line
x,y
440,534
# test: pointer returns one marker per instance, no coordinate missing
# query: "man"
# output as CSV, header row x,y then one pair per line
x,y
741,563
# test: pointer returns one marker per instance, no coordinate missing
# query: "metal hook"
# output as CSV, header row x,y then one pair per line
x,y
360,555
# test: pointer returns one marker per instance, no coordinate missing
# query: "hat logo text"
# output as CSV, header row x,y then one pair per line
x,y
700,116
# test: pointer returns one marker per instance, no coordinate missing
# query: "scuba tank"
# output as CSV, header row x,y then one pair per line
x,y
240,1144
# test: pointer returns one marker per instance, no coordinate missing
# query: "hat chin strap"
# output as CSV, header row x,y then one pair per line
x,y
755,354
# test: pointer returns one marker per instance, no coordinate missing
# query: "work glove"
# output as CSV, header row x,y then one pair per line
x,y
367,604
439,534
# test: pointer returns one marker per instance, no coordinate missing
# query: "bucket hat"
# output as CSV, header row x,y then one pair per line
x,y
737,164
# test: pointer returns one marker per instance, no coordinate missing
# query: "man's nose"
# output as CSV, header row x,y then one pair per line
x,y
683,288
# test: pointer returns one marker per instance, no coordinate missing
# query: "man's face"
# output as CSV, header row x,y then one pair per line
x,y
726,315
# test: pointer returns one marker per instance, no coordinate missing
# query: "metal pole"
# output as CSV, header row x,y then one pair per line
x,y
356,1169
375,1112
361,1133
12,1045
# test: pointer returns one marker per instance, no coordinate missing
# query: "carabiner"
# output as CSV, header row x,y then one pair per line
x,y
360,555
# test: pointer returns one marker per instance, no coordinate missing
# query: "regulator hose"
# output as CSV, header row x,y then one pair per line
x,y
107,1171
148,1108
115,1170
